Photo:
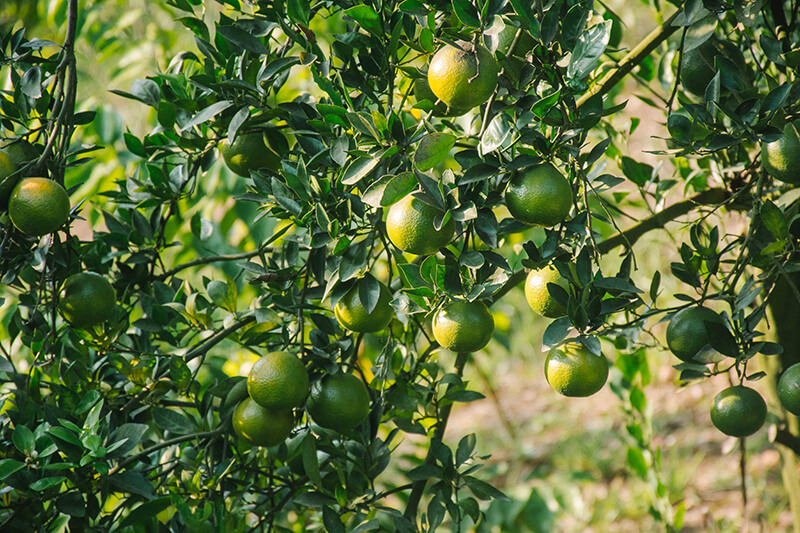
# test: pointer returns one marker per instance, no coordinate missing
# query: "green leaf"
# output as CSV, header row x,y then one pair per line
x,y
496,133
47,482
331,520
299,11
134,483
466,13
556,332
134,145
637,462
310,461
433,149
545,104
8,467
144,513
130,434
721,339
145,91
638,173
591,45
243,39
207,114
369,292
172,421
24,440
358,169
367,18
774,220
31,83
465,448
71,504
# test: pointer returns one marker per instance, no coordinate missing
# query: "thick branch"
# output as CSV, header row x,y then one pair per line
x,y
789,440
419,486
631,60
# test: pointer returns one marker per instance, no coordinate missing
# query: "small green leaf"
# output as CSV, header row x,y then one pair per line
x,y
466,13
24,440
367,18
358,169
433,149
47,482
774,219
172,421
8,467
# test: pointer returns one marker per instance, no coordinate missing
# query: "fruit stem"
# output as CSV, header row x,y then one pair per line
x,y
438,434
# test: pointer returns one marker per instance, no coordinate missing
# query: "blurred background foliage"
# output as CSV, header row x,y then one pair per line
x,y
566,465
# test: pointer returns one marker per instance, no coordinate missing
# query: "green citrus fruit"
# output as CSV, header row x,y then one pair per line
x,y
540,196
687,337
38,206
697,65
573,370
339,402
87,299
538,295
409,225
352,314
278,381
738,411
781,158
422,91
463,77
789,389
260,426
463,326
249,151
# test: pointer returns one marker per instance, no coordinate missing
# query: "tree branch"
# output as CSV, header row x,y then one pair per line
x,y
631,60
419,486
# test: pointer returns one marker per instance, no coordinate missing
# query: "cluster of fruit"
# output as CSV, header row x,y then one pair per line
x,y
39,206
277,384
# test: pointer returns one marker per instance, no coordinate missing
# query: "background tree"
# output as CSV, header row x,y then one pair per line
x,y
308,178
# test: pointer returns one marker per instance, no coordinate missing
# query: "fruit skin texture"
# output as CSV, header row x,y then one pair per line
x,y
573,370
352,314
738,411
422,91
339,402
687,337
789,389
538,295
278,381
781,159
451,70
87,299
463,326
260,426
540,196
248,152
697,65
409,225
38,206
12,156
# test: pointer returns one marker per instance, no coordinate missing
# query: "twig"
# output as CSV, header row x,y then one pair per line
x,y
631,60
438,434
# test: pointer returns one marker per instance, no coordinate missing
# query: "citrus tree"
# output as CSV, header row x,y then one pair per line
x,y
390,170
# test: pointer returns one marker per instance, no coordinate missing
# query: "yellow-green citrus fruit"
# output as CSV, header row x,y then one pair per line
x,y
38,206
278,381
409,225
463,77
697,65
260,426
352,314
687,337
463,326
738,411
573,370
789,389
87,299
538,295
781,158
339,402
422,91
7,167
540,196
249,152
